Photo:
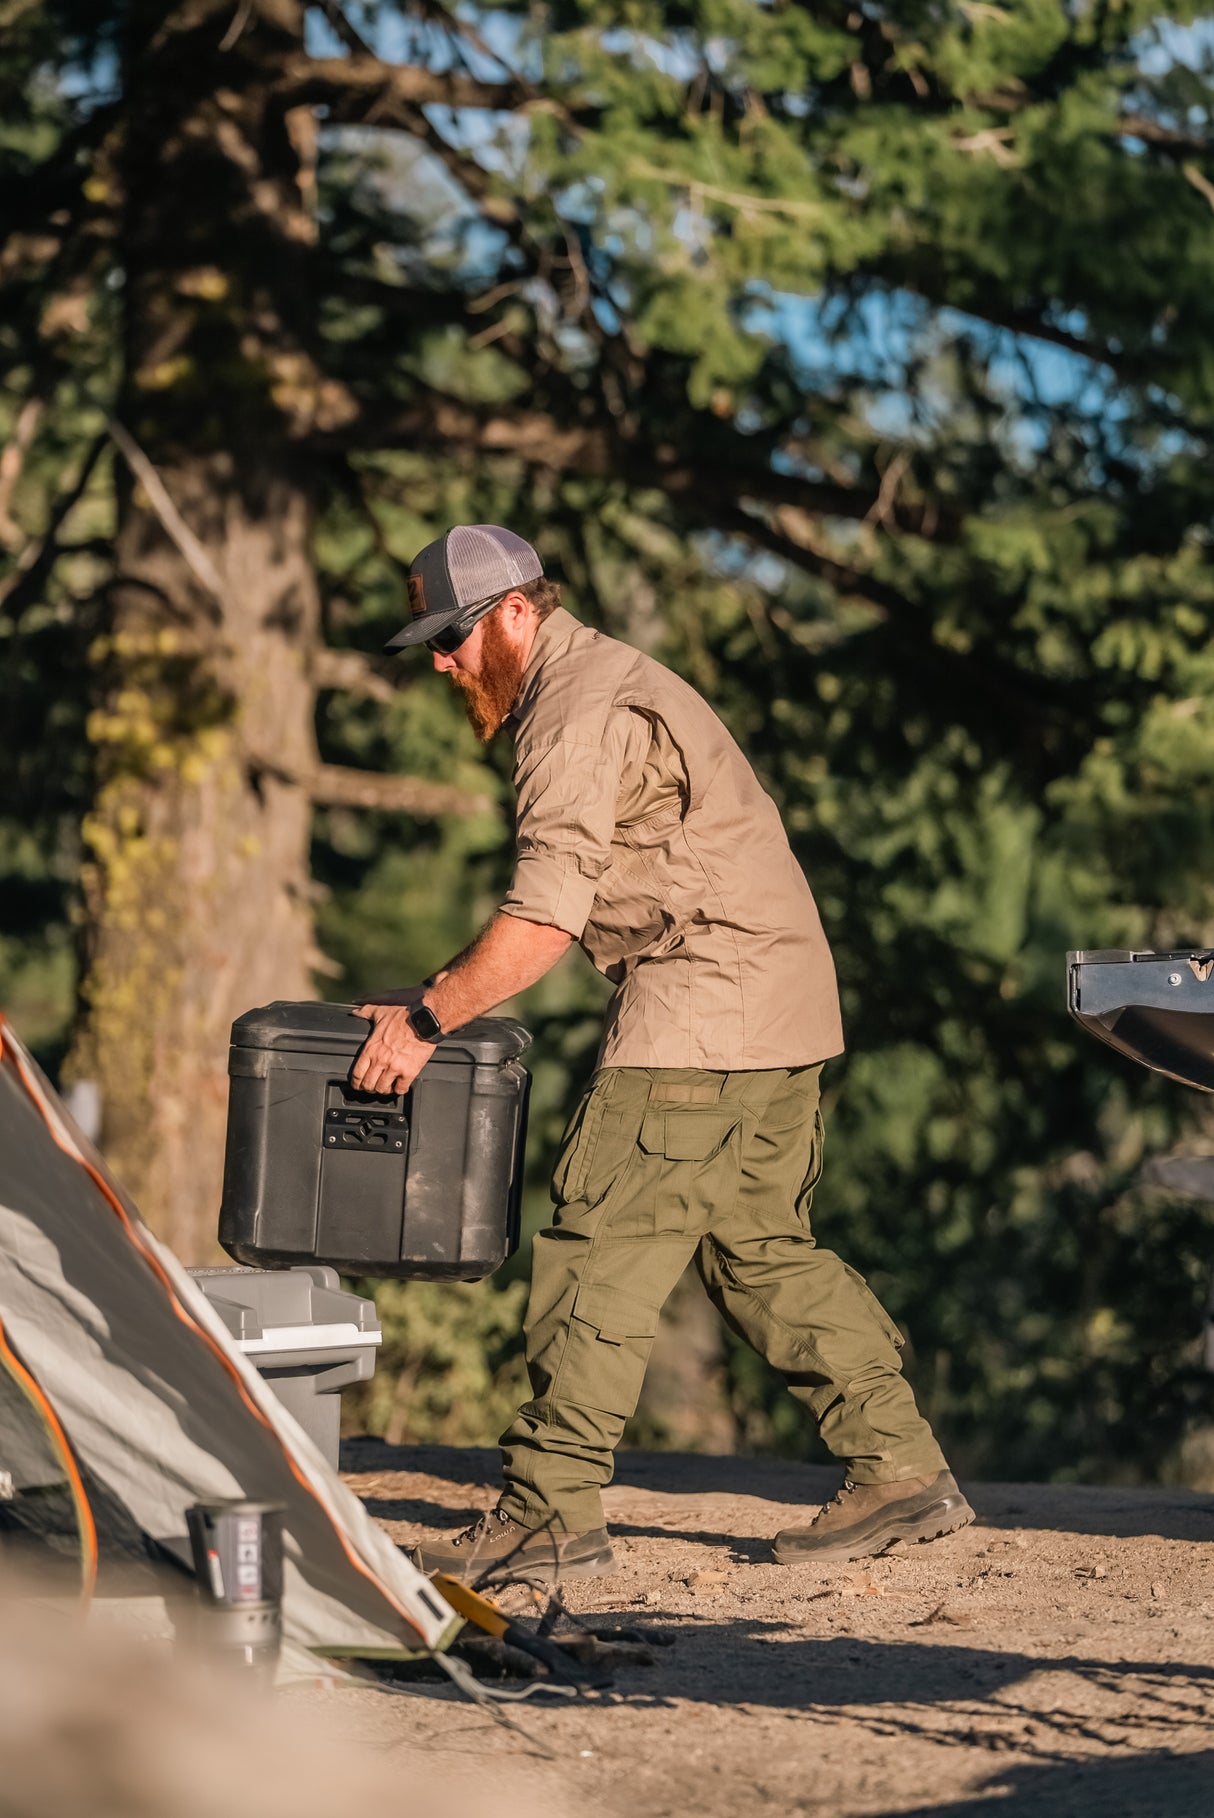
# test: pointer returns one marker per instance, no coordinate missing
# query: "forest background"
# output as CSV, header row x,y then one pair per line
x,y
855,359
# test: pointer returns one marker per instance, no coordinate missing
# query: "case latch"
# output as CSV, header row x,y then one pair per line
x,y
384,1131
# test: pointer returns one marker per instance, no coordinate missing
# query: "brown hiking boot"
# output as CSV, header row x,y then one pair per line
x,y
865,1518
500,1547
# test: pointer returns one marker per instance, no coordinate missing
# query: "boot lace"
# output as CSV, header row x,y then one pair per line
x,y
486,1527
845,1489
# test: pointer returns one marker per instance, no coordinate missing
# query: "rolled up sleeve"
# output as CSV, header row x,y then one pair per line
x,y
567,793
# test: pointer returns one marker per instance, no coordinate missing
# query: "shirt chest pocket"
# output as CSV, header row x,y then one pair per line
x,y
687,1168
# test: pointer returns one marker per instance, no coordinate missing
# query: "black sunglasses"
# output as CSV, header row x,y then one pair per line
x,y
447,641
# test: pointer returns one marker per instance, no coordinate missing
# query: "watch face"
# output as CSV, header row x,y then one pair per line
x,y
426,1024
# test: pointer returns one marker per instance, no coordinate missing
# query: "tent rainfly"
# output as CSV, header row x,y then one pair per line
x,y
123,1401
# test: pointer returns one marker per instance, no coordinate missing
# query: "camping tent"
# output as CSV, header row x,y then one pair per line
x,y
123,1401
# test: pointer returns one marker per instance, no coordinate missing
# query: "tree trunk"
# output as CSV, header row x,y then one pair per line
x,y
197,885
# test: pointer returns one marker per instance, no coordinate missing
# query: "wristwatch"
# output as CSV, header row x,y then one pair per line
x,y
424,1024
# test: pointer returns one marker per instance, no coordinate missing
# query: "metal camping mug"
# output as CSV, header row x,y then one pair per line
x,y
237,1550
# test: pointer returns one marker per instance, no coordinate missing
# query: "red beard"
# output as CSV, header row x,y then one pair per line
x,y
488,697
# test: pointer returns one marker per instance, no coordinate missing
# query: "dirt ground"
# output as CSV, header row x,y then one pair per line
x,y
1055,1658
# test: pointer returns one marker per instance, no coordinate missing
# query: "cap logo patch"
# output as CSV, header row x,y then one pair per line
x,y
417,596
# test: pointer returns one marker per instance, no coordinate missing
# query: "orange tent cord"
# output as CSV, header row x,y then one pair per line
x,y
84,1514
153,1262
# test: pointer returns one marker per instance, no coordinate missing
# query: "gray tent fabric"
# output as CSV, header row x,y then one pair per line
x,y
105,1335
42,1493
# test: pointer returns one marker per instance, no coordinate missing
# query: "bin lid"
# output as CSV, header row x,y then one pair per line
x,y
280,1309
310,1028
1157,1008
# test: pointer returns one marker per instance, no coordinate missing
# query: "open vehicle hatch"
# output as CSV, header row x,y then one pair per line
x,y
1157,1008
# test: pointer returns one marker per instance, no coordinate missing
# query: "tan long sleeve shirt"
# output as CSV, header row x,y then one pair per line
x,y
643,832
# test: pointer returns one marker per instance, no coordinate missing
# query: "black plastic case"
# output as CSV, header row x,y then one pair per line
x,y
424,1187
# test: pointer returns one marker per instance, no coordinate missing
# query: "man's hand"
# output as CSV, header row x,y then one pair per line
x,y
392,1056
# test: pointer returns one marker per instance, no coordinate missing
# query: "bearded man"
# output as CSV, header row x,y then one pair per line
x,y
644,835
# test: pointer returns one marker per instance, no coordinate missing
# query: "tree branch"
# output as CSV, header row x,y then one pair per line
x,y
1170,139
842,577
768,486
333,785
473,177
543,441
1018,321
352,673
461,34
48,188
1200,182
397,100
196,557
535,436
348,86
498,209
1153,132
12,461
38,557
458,31
346,30
983,680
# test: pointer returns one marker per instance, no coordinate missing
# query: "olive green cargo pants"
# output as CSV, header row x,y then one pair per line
x,y
659,1165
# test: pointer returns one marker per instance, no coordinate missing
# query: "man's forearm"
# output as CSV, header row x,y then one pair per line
x,y
504,959
510,955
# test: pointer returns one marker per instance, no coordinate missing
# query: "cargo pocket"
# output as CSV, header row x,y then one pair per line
x,y
692,1163
876,1309
610,1337
578,1145
805,1196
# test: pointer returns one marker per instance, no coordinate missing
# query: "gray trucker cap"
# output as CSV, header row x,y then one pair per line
x,y
472,564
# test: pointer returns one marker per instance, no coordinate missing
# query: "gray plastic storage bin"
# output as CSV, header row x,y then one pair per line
x,y
303,1334
423,1187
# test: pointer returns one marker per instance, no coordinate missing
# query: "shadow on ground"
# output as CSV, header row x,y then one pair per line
x,y
1125,1513
905,1688
1170,1514
1144,1786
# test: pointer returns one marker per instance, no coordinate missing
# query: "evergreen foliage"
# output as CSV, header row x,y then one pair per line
x,y
856,360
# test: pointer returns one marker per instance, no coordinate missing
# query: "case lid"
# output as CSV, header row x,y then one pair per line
x,y
311,1028
1157,1008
